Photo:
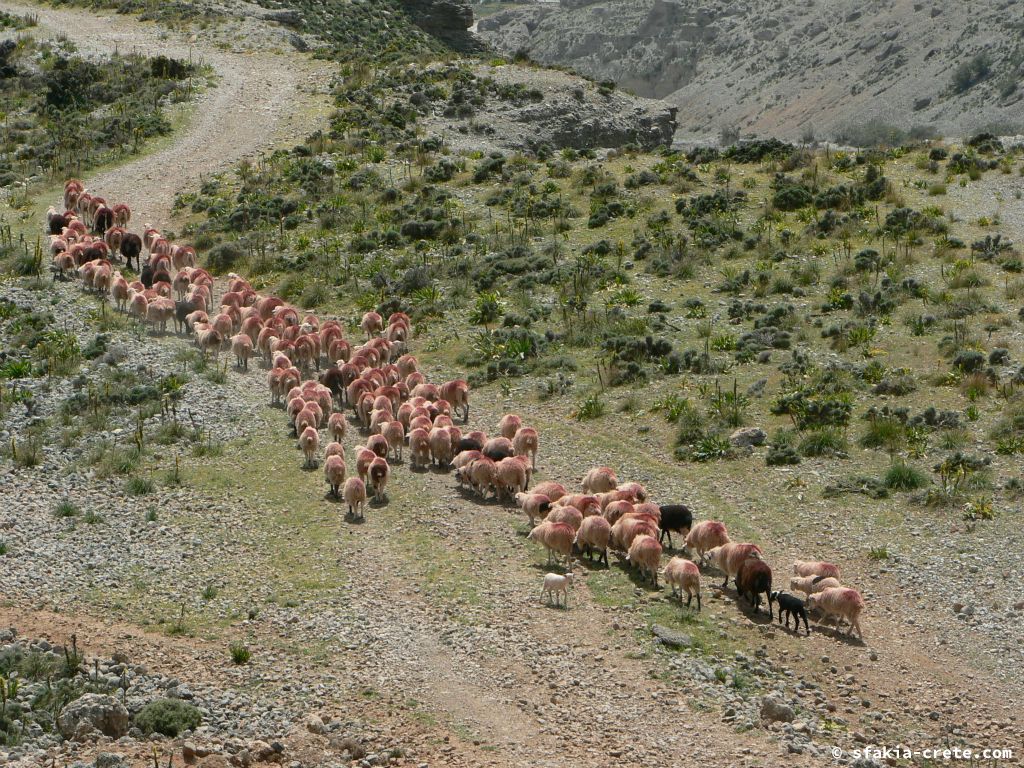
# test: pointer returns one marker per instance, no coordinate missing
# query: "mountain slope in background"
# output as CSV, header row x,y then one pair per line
x,y
786,68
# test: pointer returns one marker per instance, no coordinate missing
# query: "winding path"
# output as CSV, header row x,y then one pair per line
x,y
260,100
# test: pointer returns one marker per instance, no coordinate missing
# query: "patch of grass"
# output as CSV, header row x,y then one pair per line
x,y
210,591
904,477
111,460
139,486
66,508
878,553
240,654
589,408
828,442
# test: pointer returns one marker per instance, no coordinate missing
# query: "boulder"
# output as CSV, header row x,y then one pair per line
x,y
745,437
93,711
671,637
774,709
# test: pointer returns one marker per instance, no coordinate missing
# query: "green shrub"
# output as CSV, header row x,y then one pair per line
x,y
168,717
824,442
590,407
138,486
239,653
904,477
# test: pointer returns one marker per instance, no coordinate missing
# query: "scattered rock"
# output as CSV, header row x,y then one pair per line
x,y
773,709
671,637
748,436
97,711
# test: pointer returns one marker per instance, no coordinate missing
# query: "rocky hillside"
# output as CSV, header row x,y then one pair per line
x,y
784,68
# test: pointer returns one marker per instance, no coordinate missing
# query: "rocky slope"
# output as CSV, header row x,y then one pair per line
x,y
783,68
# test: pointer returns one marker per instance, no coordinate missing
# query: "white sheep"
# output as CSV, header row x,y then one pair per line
x,y
554,584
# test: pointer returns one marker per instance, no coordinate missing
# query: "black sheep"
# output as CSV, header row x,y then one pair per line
x,y
104,220
793,606
755,577
675,517
57,223
147,276
131,247
469,444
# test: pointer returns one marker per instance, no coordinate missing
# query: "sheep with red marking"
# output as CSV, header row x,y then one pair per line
x,y
840,603
557,538
364,457
645,553
456,392
600,480
336,426
482,476
754,577
378,444
526,443
371,324
627,529
684,576
569,515
309,441
498,448
334,449
509,425
810,585
815,568
355,496
705,536
551,489
729,557
419,448
593,536
394,433
440,447
511,476
241,348
535,505
379,472
334,473
616,511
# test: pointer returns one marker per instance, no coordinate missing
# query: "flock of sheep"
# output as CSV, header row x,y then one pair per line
x,y
397,408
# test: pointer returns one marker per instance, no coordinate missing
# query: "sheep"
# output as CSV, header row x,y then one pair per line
x,y
498,448
705,536
510,477
675,517
309,440
440,447
810,585
394,433
729,557
635,490
419,448
509,425
555,584
600,480
569,515
241,348
593,534
616,511
627,529
334,473
336,426
334,449
355,497
457,393
379,472
481,476
556,537
378,444
645,553
754,577
526,442
842,603
364,457
684,576
815,568
535,505
791,605
552,490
